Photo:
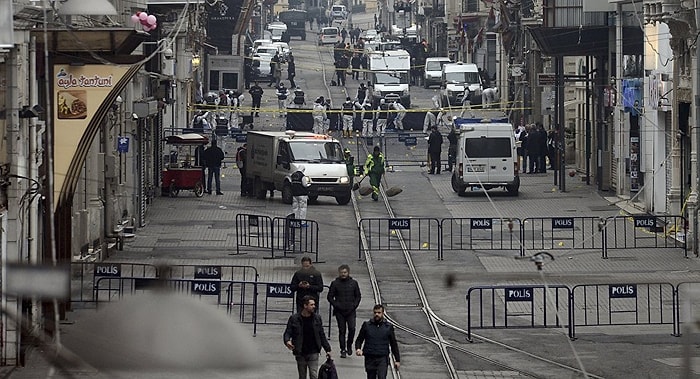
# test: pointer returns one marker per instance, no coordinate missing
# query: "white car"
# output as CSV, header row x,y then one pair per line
x,y
261,62
433,70
278,30
329,35
370,35
260,42
270,50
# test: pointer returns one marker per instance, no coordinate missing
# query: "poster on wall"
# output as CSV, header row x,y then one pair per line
x,y
634,164
78,93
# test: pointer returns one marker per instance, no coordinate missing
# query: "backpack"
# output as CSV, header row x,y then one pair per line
x,y
328,370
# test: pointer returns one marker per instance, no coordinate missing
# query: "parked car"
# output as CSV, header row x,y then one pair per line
x,y
260,42
261,66
329,35
433,70
284,48
279,31
370,35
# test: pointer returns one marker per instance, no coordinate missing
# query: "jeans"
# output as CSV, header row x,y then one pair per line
x,y
309,362
299,206
343,322
376,367
214,172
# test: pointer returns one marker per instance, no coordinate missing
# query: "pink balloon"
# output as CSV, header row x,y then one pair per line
x,y
151,19
145,27
135,18
144,22
143,16
154,26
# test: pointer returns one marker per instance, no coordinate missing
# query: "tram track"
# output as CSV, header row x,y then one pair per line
x,y
409,310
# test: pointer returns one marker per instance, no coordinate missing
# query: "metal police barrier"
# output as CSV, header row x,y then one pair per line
x,y
108,289
84,276
295,236
278,304
219,272
254,232
687,297
483,233
562,233
241,274
645,231
419,234
517,307
623,304
405,148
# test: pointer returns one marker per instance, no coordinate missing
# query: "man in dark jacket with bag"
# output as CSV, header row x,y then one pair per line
x,y
344,295
304,336
373,342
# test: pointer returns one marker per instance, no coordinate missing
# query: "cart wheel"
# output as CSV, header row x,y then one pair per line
x,y
198,189
173,191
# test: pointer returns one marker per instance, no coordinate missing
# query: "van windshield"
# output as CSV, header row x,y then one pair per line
x,y
462,77
434,66
391,78
487,147
330,32
321,151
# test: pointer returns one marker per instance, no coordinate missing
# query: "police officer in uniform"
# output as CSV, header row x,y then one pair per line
x,y
348,117
381,116
367,118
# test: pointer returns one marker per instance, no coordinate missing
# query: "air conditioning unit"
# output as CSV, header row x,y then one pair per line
x,y
146,108
666,96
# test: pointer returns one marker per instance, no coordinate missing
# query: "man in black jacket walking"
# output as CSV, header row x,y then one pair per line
x,y
304,336
378,336
306,281
344,295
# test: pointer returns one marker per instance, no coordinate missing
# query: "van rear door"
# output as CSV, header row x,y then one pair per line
x,y
491,158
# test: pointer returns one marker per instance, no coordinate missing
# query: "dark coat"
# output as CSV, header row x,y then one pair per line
x,y
435,142
294,332
377,338
344,295
213,156
315,280
298,188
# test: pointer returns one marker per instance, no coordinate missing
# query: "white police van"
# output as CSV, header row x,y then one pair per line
x,y
486,156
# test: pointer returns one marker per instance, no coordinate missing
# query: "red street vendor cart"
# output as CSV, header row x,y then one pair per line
x,y
184,167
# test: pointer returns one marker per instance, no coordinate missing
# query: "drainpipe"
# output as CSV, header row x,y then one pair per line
x,y
696,116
